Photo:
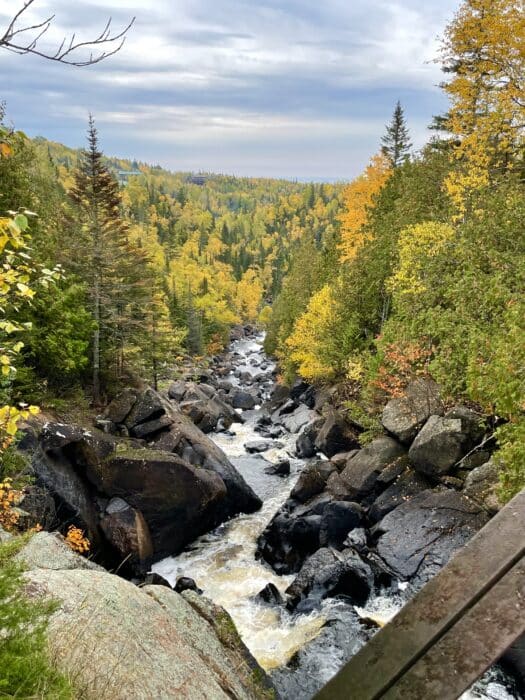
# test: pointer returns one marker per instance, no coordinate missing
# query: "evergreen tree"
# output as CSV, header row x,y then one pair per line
x,y
113,269
396,141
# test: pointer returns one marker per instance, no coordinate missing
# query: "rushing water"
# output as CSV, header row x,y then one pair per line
x,y
223,564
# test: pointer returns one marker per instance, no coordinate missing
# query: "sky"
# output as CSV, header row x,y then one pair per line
x,y
272,88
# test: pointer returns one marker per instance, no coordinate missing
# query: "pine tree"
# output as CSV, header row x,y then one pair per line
x,y
396,142
114,269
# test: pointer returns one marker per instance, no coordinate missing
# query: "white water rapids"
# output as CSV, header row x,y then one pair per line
x,y
223,562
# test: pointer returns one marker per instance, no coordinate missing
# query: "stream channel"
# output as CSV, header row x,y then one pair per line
x,y
301,651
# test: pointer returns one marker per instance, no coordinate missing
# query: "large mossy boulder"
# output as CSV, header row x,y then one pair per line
x,y
118,641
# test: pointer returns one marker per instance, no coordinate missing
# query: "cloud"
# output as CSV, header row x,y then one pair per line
x,y
278,86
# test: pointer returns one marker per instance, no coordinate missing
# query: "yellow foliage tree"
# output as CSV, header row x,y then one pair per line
x,y
312,335
249,295
422,249
484,52
358,197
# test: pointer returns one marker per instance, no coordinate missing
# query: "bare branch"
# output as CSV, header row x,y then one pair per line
x,y
101,47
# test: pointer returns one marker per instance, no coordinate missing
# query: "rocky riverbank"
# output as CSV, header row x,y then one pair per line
x,y
355,524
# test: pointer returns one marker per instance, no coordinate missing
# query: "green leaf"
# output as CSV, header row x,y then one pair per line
x,y
22,222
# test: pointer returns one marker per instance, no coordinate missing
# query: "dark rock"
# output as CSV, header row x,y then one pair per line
x,y
409,484
282,468
363,469
241,399
312,480
476,459
472,424
298,388
288,540
153,579
148,406
328,573
339,517
404,416
127,531
440,444
120,407
38,507
177,390
185,583
338,488
341,459
280,393
336,435
419,537
270,594
305,445
146,430
177,500
256,446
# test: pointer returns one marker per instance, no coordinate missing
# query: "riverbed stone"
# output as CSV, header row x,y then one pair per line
x,y
336,435
338,518
127,531
312,480
328,573
405,487
404,416
363,469
418,537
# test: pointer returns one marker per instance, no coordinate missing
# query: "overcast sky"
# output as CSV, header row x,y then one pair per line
x,y
286,88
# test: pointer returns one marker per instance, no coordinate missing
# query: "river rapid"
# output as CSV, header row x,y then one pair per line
x,y
300,651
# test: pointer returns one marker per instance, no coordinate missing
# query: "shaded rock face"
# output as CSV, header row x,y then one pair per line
x,y
191,646
174,492
127,530
404,416
336,435
312,480
176,500
419,537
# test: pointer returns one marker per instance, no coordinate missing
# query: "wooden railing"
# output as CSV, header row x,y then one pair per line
x,y
454,629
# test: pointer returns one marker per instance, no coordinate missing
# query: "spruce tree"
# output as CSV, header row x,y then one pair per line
x,y
396,141
114,270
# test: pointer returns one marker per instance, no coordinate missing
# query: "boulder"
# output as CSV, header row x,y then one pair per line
x,y
305,444
148,406
440,444
49,550
127,531
338,518
281,468
258,446
363,469
270,594
185,583
407,485
472,423
176,391
418,537
287,540
121,406
105,627
312,480
178,501
404,416
482,485
336,435
328,573
296,419
243,400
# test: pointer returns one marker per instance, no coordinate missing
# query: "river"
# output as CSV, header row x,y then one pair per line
x,y
224,566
